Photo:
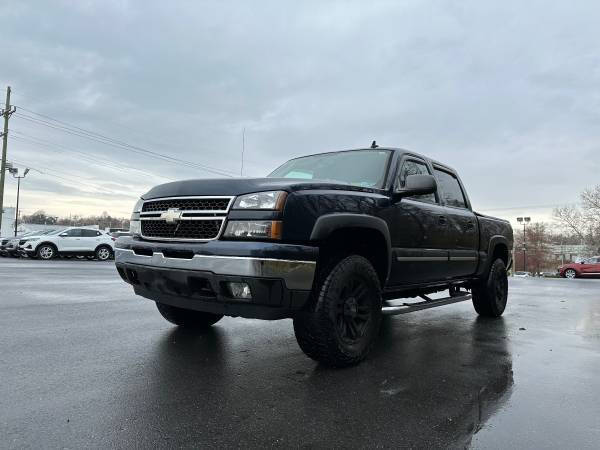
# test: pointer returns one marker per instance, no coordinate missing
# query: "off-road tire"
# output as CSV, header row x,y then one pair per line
x,y
343,322
188,318
490,295
46,252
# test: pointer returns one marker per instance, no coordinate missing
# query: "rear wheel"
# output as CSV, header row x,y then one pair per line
x,y
490,295
343,324
570,273
103,253
46,251
188,318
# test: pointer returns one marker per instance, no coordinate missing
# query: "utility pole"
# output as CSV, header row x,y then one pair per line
x,y
6,112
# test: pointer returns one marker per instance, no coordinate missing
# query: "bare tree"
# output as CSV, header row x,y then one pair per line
x,y
583,222
571,220
590,199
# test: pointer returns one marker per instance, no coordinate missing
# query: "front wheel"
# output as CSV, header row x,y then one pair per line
x,y
490,296
570,274
46,252
188,318
344,321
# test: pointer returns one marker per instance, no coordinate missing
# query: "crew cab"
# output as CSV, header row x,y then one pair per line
x,y
331,240
589,267
71,241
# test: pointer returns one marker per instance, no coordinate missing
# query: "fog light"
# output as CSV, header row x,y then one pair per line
x,y
239,290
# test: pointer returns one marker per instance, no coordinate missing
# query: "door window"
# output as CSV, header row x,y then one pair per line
x,y
89,233
75,232
450,189
413,167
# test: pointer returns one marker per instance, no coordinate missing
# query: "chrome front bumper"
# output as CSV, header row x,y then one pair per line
x,y
297,275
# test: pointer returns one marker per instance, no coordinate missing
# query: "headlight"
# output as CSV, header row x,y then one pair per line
x,y
261,200
135,226
253,229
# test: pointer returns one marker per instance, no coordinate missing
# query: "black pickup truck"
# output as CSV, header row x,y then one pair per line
x,y
331,240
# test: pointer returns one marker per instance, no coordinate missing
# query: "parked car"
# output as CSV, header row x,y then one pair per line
x,y
521,274
10,245
589,267
325,240
3,242
72,241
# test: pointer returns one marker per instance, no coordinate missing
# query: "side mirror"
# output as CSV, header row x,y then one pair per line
x,y
63,235
416,185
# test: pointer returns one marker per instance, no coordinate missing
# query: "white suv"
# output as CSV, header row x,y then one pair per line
x,y
74,241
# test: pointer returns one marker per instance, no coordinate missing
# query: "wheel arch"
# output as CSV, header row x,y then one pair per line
x,y
99,246
47,243
498,248
339,232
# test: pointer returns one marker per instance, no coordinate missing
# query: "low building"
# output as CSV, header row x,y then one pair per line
x,y
570,252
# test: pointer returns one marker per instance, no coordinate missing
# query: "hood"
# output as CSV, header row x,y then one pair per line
x,y
239,186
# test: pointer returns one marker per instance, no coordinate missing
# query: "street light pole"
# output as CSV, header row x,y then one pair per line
x,y
15,174
525,221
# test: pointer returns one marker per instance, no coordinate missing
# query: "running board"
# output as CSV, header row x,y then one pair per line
x,y
406,308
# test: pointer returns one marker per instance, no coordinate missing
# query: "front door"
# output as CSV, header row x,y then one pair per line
x,y
418,233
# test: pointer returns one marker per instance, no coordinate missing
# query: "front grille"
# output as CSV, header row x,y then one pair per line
x,y
22,241
185,229
187,204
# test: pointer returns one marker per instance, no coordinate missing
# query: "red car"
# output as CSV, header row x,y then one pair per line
x,y
587,268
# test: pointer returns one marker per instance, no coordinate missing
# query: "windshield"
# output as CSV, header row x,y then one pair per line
x,y
53,232
366,168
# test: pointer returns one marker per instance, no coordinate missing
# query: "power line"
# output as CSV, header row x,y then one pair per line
x,y
43,170
94,159
109,142
65,126
106,140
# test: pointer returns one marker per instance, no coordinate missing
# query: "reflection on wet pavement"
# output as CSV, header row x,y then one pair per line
x,y
83,367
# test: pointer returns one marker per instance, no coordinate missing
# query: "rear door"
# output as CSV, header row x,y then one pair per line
x,y
90,239
462,229
419,231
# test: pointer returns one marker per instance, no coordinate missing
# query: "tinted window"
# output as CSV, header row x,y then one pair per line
x,y
75,232
412,167
89,233
450,189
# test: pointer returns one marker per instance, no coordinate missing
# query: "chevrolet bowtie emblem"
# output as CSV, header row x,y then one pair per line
x,y
172,215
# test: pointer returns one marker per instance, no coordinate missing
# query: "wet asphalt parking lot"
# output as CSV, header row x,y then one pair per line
x,y
85,363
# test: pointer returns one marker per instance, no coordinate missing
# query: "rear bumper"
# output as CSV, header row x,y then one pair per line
x,y
190,278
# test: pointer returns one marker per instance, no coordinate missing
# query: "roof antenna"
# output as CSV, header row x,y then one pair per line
x,y
374,144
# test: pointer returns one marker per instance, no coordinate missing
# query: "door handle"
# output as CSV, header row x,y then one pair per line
x,y
469,225
442,220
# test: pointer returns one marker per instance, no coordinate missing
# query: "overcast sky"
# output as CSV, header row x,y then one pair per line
x,y
507,93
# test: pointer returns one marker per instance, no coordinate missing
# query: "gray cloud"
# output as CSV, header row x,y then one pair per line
x,y
506,93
